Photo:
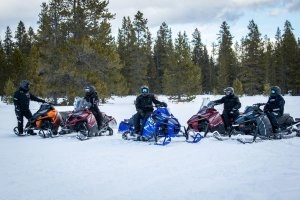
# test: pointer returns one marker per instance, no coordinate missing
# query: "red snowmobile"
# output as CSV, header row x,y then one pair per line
x,y
207,119
82,121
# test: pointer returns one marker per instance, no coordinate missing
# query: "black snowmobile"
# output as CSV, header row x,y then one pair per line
x,y
254,122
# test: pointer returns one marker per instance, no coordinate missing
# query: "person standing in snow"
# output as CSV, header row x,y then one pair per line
x,y
232,105
92,97
21,100
274,108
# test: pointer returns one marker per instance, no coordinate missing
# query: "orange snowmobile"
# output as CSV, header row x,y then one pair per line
x,y
45,121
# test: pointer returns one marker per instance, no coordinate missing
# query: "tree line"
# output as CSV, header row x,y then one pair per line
x,y
74,46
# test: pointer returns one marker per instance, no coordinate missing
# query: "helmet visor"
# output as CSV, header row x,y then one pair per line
x,y
145,90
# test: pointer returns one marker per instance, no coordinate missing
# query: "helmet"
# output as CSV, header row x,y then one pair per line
x,y
89,89
144,90
25,85
275,90
229,91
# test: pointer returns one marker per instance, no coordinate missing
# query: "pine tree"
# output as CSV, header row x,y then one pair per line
x,y
252,68
76,47
3,69
163,54
290,78
226,62
201,60
183,78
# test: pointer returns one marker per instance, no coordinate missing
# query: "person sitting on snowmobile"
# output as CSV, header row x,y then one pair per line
x,y
144,107
22,99
274,108
92,97
232,105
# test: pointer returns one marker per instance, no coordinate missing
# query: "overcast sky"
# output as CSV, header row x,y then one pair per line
x,y
180,15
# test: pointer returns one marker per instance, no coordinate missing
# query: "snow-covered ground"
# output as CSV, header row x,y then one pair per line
x,y
109,168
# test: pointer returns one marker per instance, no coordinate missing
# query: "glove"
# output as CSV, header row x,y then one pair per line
x,y
164,104
211,104
233,111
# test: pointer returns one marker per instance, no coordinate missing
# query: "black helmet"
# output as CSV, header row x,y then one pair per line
x,y
229,91
25,85
144,90
275,90
89,89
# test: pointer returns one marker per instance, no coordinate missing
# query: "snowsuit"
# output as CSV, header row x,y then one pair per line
x,y
22,99
274,109
143,104
232,105
94,100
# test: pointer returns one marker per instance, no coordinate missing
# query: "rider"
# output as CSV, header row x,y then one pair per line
x,y
274,108
22,99
92,97
232,105
144,107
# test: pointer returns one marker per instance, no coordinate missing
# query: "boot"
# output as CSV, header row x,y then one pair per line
x,y
277,134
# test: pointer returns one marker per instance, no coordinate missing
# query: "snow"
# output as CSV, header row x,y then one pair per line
x,y
110,168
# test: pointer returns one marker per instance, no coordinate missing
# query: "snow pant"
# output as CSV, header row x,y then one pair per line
x,y
139,120
20,115
228,118
98,115
273,119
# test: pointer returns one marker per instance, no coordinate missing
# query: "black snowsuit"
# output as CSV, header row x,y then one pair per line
x,y
144,107
232,105
94,100
274,109
22,99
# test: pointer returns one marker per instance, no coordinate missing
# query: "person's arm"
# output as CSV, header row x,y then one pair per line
x,y
237,104
156,102
219,101
34,98
16,99
281,103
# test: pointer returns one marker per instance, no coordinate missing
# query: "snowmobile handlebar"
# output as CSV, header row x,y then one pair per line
x,y
259,104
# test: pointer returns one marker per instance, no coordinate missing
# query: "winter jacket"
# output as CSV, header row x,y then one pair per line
x,y
22,99
93,99
144,102
231,103
275,104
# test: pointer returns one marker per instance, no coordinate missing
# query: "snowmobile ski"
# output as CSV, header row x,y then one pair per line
x,y
219,137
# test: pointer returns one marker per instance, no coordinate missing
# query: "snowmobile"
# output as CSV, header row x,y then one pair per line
x,y
45,121
254,122
82,121
206,120
160,126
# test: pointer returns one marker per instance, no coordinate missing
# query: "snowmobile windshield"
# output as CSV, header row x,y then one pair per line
x,y
204,105
248,109
80,104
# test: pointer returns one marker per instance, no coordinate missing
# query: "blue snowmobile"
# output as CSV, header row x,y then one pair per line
x,y
161,126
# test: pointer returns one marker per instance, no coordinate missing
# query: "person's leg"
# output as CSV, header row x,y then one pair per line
x,y
226,119
273,120
28,116
20,120
99,118
137,122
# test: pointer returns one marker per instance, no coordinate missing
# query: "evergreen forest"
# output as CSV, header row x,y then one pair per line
x,y
74,46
